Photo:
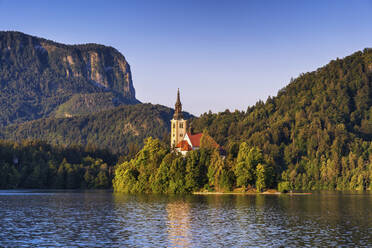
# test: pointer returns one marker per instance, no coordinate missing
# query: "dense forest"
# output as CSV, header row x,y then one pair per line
x,y
120,130
38,75
35,164
156,169
317,131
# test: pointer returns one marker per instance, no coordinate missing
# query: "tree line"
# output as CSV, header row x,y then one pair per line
x,y
158,169
36,164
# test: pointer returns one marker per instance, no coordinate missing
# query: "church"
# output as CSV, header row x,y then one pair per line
x,y
181,140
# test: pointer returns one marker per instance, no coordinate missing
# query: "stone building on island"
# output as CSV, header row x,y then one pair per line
x,y
181,140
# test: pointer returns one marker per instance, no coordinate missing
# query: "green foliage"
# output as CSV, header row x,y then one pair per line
x,y
35,164
195,171
248,159
139,174
125,178
9,175
161,183
120,130
80,104
177,176
261,177
156,169
283,187
220,175
317,130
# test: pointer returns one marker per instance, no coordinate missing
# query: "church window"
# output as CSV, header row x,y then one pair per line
x,y
180,134
174,125
181,125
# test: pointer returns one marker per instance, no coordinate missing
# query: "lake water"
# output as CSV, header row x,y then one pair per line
x,y
105,219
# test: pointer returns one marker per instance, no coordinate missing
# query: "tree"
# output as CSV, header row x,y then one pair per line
x,y
220,176
89,178
261,177
61,175
126,177
177,176
139,174
33,180
195,171
161,183
247,160
72,176
102,181
207,142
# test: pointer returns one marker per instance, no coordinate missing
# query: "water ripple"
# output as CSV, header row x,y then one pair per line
x,y
104,219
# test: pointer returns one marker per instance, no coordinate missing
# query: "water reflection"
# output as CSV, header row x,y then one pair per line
x,y
179,224
103,219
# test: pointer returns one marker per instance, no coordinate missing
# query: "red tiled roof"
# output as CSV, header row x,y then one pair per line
x,y
195,139
184,145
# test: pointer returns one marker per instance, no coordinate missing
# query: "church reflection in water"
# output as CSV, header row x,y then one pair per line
x,y
179,224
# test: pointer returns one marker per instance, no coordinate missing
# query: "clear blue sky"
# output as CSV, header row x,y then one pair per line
x,y
221,54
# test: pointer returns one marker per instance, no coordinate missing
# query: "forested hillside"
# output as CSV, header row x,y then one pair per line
x,y
317,131
120,130
34,164
38,75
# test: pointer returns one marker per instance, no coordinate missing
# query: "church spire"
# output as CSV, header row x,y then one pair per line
x,y
178,107
178,96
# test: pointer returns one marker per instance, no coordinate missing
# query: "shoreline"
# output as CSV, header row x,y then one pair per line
x,y
248,193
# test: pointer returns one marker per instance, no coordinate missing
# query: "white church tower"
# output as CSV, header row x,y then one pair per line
x,y
178,124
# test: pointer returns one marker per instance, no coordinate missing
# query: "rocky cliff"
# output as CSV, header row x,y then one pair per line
x,y
39,75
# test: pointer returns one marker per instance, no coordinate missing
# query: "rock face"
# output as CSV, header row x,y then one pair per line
x,y
38,75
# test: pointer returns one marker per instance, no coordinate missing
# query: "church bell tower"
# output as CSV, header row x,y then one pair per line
x,y
178,124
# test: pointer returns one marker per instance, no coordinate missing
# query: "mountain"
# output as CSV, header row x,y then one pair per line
x,y
315,134
120,130
317,131
40,78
